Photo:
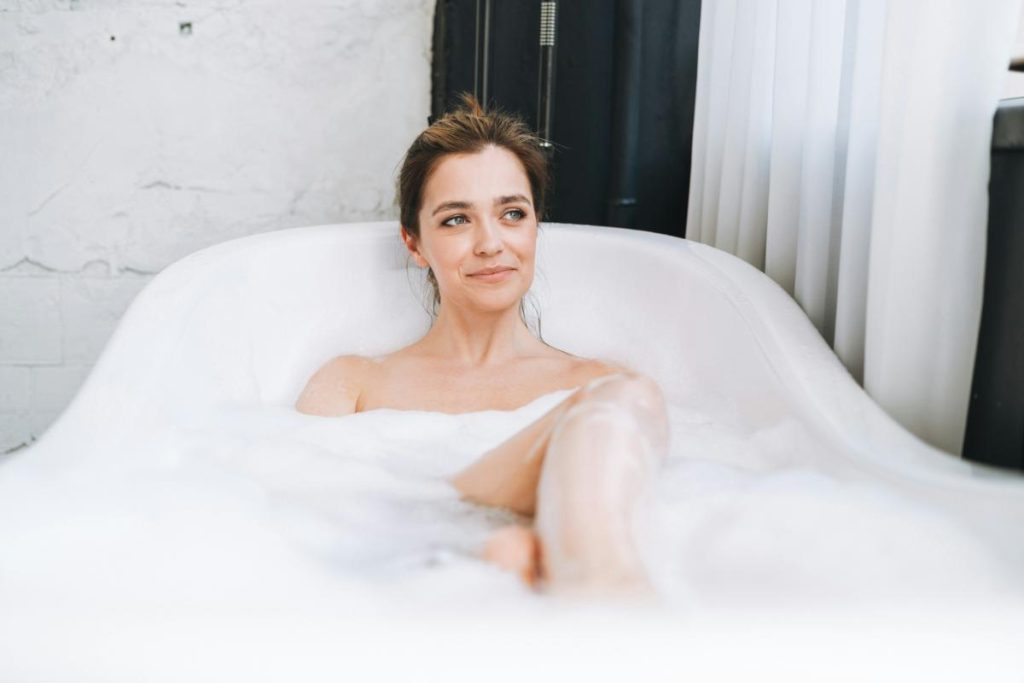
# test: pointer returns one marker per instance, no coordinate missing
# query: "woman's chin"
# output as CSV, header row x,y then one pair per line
x,y
498,304
492,300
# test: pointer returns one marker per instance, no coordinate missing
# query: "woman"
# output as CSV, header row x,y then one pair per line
x,y
471,193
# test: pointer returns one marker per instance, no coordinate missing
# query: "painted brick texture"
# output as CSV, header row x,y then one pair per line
x,y
132,134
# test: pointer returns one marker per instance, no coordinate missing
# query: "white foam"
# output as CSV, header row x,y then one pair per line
x,y
266,504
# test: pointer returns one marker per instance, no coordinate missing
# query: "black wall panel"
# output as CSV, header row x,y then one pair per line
x,y
995,421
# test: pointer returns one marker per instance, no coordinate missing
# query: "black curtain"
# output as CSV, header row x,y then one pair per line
x,y
624,85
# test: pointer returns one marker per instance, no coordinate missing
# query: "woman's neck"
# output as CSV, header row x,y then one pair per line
x,y
475,339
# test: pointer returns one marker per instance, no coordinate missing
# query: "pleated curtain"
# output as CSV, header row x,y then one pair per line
x,y
842,146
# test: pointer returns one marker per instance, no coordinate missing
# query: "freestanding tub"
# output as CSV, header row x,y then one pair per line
x,y
250,319
247,322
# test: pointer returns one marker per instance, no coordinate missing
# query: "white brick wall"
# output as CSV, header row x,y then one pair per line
x,y
132,134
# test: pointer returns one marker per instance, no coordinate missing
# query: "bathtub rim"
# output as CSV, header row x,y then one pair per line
x,y
807,367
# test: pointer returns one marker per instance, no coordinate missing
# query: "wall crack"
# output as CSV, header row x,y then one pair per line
x,y
50,198
29,265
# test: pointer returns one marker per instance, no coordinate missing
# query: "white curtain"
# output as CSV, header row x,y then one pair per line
x,y
842,146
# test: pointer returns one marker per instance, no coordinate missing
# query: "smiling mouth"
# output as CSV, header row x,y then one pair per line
x,y
494,275
492,271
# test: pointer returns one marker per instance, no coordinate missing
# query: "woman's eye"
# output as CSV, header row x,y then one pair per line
x,y
454,220
515,214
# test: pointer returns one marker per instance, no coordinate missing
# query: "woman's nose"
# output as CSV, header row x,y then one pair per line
x,y
488,238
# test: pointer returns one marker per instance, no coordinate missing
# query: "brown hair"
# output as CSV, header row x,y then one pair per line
x,y
466,130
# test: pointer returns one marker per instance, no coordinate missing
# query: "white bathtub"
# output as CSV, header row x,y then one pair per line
x,y
244,324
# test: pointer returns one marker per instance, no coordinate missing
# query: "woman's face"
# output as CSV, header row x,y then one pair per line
x,y
477,213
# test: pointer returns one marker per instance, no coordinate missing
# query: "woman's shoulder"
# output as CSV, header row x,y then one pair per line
x,y
334,389
348,364
588,369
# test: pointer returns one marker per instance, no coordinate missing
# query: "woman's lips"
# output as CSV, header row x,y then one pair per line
x,y
494,277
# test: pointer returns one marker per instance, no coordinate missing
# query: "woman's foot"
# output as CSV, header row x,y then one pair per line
x,y
516,549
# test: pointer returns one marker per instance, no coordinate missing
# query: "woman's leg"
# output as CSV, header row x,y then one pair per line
x,y
507,475
596,472
602,443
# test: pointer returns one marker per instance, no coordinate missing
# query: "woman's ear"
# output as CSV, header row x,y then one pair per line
x,y
410,244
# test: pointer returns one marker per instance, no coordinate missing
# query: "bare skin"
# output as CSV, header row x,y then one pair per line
x,y
578,471
581,468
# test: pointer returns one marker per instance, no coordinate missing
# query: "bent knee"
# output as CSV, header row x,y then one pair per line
x,y
634,394
611,417
628,389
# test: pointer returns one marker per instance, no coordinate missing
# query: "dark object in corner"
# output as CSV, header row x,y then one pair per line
x,y
995,419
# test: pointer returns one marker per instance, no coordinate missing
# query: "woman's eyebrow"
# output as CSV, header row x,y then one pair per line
x,y
451,205
512,198
498,201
